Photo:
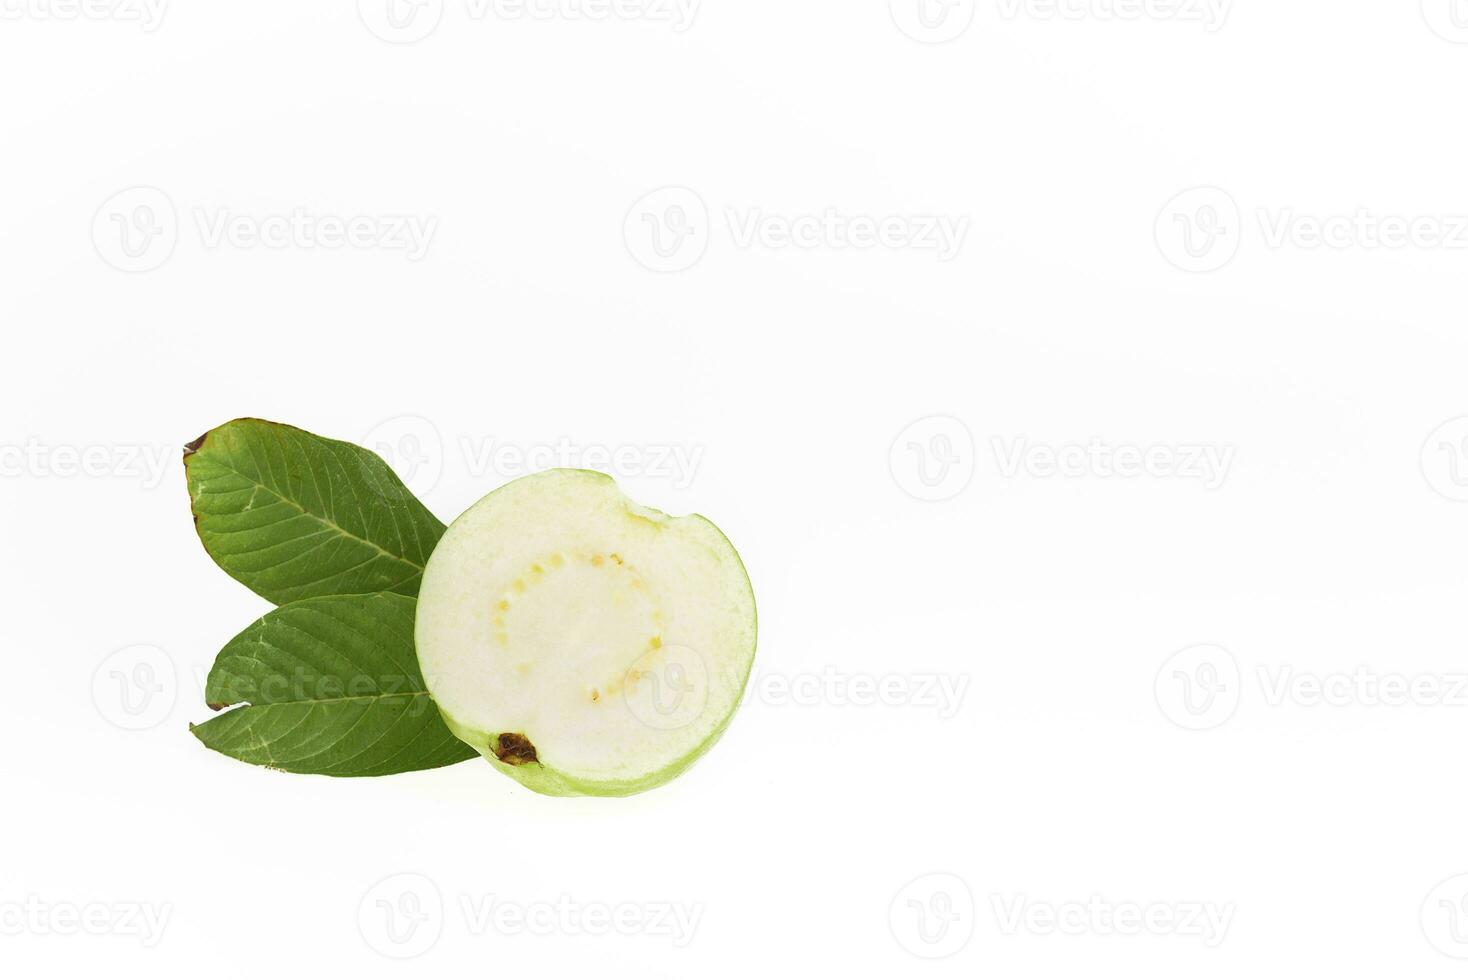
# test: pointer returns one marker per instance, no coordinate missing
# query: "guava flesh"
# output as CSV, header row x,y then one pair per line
x,y
581,643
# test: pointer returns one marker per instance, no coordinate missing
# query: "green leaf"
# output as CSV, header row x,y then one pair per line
x,y
329,686
293,515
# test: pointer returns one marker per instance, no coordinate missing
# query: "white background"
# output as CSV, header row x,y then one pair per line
x,y
828,833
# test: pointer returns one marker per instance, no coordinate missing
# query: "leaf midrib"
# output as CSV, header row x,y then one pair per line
x,y
238,705
317,517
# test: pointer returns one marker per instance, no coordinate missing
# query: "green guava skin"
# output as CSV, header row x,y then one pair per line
x,y
547,781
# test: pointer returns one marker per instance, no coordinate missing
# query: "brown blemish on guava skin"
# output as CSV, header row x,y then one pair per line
x,y
515,749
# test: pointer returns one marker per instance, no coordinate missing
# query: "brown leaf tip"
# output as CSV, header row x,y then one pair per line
x,y
194,446
515,750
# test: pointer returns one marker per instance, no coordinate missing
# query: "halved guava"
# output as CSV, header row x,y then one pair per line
x,y
581,643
